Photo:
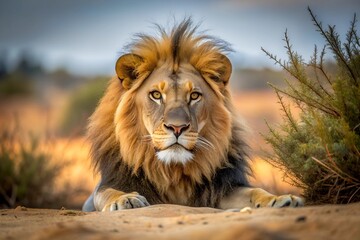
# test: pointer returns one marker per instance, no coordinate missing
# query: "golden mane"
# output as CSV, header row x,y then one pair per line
x,y
181,44
115,129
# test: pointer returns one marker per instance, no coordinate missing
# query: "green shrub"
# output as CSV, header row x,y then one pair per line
x,y
16,85
320,150
80,106
27,173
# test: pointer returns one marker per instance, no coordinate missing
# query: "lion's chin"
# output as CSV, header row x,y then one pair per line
x,y
175,154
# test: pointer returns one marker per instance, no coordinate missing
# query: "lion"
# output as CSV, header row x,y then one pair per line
x,y
166,132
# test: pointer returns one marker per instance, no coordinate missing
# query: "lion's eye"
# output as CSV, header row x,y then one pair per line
x,y
194,96
155,95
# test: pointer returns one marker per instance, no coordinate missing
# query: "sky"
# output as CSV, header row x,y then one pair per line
x,y
87,36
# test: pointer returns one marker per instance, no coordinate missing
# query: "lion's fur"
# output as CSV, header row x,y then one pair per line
x,y
116,129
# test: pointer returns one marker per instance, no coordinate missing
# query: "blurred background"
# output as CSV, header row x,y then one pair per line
x,y
57,56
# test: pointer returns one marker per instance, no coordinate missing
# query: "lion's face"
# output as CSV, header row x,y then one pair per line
x,y
174,110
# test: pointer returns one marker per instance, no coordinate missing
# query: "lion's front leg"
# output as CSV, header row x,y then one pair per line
x,y
257,197
110,199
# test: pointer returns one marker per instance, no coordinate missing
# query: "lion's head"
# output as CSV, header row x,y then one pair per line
x,y
168,112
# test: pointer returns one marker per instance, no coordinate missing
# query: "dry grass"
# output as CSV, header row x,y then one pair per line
x,y
76,178
254,107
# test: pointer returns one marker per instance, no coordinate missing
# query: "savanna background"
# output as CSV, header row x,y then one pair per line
x,y
57,56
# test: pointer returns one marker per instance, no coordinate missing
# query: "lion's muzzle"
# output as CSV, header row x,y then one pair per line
x,y
175,139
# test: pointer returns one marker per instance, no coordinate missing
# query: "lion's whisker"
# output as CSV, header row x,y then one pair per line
x,y
203,145
146,138
204,142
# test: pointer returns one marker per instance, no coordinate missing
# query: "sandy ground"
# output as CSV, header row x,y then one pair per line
x,y
179,222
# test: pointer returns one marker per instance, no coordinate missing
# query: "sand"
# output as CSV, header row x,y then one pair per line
x,y
180,222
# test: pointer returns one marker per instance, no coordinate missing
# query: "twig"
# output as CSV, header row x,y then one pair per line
x,y
287,112
330,37
353,194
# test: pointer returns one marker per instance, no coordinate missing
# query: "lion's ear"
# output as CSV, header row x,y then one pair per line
x,y
126,67
227,69
218,70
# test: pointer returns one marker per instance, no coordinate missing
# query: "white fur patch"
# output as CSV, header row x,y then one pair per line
x,y
174,155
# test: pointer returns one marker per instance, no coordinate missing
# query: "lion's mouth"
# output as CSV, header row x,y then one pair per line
x,y
174,146
178,146
175,153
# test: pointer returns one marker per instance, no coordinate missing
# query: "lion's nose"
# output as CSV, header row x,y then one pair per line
x,y
177,130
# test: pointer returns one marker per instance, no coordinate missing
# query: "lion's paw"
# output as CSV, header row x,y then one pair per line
x,y
264,199
126,201
285,201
